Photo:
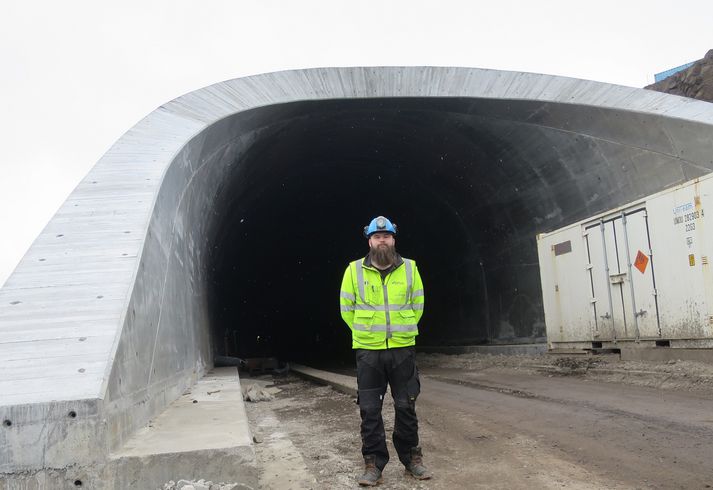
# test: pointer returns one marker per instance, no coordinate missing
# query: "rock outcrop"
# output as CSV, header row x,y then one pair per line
x,y
695,81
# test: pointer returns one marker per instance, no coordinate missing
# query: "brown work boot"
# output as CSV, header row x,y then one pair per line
x,y
372,474
415,468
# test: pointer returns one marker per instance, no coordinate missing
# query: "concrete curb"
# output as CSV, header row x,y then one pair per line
x,y
347,384
505,349
340,382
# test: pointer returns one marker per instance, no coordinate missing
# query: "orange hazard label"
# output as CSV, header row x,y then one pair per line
x,y
641,261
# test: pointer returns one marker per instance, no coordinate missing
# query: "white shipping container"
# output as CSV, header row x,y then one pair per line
x,y
639,273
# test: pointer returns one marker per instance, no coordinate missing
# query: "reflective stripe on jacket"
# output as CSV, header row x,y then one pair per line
x,y
382,314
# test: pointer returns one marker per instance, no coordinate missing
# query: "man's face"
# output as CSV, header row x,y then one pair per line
x,y
383,241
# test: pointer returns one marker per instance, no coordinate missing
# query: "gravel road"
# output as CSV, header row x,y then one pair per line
x,y
507,422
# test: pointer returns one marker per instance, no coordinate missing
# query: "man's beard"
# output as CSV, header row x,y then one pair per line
x,y
383,254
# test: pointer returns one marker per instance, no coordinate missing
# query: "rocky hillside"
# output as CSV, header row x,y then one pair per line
x,y
696,81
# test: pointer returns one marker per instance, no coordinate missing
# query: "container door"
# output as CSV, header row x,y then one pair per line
x,y
642,301
617,276
609,314
623,277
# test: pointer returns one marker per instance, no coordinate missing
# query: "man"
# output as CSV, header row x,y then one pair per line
x,y
382,301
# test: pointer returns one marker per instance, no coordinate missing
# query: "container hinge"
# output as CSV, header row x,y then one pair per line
x,y
605,316
641,312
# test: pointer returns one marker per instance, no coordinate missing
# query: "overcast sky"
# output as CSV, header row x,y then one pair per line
x,y
77,74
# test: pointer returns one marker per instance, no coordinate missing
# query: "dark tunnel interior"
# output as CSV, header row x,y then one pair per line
x,y
467,181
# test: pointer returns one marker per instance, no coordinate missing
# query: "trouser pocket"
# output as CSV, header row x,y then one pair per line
x,y
405,384
371,380
413,386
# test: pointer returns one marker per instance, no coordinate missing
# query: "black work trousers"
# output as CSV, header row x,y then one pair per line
x,y
376,369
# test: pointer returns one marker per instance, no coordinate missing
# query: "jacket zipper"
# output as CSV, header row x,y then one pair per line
x,y
386,305
386,309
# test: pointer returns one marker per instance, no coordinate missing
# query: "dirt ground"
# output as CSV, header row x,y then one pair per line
x,y
506,422
672,375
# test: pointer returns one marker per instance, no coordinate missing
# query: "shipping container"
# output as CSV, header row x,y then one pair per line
x,y
638,275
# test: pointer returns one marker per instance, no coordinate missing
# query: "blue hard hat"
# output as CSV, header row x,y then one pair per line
x,y
380,224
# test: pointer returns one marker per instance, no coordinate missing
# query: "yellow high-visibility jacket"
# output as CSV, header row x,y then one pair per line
x,y
382,314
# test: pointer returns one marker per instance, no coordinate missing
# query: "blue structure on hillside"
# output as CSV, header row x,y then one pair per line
x,y
665,74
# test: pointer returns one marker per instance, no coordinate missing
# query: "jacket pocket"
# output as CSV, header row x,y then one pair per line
x,y
363,318
408,315
407,319
361,330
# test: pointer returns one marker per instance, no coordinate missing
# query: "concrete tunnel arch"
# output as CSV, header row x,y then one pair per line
x,y
183,237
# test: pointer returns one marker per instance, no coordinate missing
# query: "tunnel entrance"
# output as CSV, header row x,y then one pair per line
x,y
469,182
297,200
